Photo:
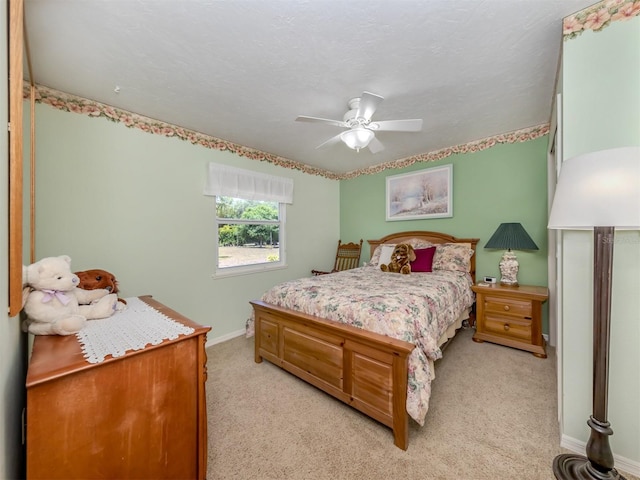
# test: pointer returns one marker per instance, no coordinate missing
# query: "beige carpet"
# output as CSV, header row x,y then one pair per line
x,y
492,415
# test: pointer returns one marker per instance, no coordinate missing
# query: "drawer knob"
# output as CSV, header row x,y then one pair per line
x,y
506,327
506,308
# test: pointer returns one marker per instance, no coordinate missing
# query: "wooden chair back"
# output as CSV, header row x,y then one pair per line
x,y
347,257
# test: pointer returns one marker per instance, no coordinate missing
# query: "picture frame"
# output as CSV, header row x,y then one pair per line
x,y
421,194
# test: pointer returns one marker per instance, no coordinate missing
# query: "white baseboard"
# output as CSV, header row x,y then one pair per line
x,y
224,338
621,463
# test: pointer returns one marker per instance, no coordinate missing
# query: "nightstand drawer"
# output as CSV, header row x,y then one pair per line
x,y
512,306
515,328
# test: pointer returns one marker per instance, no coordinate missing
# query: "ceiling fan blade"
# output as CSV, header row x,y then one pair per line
x,y
337,123
409,125
331,141
368,104
375,145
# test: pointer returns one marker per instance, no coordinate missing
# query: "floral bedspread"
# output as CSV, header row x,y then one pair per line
x,y
417,308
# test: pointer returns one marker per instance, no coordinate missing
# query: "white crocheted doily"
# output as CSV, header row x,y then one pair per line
x,y
134,328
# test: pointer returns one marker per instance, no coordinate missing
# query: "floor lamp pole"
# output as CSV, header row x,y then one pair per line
x,y
598,464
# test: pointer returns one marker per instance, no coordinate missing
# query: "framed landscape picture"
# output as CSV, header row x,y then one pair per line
x,y
422,194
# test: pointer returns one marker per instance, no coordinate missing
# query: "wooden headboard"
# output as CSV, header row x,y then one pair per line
x,y
433,237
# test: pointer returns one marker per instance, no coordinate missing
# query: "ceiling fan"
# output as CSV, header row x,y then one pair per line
x,y
361,129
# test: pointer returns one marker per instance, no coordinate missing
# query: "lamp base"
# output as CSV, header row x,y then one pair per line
x,y
578,467
509,269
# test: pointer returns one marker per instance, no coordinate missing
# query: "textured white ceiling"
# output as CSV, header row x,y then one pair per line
x,y
243,70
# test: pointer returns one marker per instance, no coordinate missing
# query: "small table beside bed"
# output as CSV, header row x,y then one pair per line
x,y
367,337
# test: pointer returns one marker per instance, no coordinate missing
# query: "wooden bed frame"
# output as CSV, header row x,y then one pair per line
x,y
363,369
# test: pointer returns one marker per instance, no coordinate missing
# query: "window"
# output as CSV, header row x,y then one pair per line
x,y
250,218
248,234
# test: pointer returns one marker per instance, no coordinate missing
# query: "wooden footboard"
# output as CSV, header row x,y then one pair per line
x,y
363,369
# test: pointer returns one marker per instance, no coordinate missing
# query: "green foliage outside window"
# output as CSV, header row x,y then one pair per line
x,y
264,231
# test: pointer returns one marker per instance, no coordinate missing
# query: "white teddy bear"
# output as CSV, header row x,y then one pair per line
x,y
55,306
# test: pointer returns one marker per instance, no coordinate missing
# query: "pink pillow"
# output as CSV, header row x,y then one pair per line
x,y
424,259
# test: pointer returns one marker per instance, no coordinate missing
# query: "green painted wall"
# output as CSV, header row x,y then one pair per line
x,y
131,202
601,110
505,183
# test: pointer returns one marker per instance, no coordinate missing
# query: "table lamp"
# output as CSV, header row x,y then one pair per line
x,y
510,236
597,191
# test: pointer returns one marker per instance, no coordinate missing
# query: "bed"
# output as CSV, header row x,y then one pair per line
x,y
369,338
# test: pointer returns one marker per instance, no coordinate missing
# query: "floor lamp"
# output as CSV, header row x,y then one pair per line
x,y
598,191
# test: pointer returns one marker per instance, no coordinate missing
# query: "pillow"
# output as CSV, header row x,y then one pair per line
x,y
424,259
414,242
453,256
375,258
385,254
417,243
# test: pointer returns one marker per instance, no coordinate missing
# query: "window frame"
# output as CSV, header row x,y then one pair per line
x,y
255,267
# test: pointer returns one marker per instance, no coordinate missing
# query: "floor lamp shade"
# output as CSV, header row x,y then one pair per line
x,y
597,191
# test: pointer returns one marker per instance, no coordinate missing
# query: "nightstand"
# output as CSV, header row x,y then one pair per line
x,y
511,316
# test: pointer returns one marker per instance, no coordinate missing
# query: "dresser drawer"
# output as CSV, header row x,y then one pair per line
x,y
515,328
512,306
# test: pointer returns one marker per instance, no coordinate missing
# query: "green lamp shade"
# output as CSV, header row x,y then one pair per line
x,y
511,236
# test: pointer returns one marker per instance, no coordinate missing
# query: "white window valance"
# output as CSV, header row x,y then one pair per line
x,y
226,181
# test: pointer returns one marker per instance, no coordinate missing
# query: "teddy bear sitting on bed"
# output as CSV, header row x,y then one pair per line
x,y
402,254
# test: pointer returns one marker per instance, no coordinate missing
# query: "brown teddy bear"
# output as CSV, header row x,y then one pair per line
x,y
96,278
402,254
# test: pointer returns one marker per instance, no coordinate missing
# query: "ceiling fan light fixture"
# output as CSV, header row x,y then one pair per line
x,y
357,138
360,127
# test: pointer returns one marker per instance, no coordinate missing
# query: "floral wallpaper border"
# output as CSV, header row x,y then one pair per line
x,y
71,103
517,136
599,16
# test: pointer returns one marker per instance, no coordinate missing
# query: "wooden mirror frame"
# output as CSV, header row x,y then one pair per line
x,y
16,51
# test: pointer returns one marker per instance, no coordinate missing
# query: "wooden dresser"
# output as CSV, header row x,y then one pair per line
x,y
511,316
142,415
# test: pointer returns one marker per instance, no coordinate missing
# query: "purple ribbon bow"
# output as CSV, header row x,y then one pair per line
x,y
49,294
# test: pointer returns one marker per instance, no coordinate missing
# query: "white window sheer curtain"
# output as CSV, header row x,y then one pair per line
x,y
226,181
